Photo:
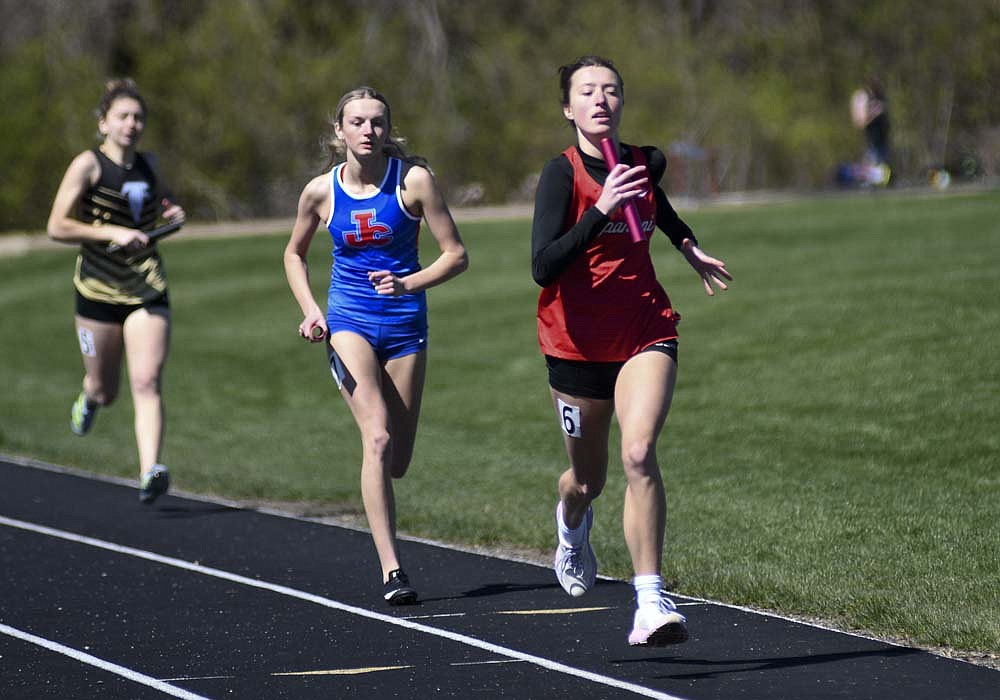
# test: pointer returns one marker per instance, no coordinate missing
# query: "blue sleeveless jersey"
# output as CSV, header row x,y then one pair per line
x,y
373,233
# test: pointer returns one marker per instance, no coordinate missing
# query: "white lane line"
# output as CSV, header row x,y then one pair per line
x,y
83,657
343,607
486,663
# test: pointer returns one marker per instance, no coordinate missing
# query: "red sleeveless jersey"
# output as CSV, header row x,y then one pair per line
x,y
607,305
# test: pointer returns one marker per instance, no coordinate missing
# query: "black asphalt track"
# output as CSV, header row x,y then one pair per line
x,y
101,597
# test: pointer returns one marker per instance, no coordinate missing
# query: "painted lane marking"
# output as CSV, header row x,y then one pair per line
x,y
343,671
550,611
91,660
540,611
539,661
346,671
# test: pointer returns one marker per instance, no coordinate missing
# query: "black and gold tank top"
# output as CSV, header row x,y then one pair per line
x,y
125,197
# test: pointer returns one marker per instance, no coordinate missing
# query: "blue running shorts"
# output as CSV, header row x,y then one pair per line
x,y
389,340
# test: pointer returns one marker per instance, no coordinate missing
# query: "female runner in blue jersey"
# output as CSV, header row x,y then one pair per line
x,y
372,203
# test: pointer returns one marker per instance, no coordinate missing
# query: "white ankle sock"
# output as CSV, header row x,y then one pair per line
x,y
570,537
647,589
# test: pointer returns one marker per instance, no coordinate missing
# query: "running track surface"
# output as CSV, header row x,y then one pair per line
x,y
101,597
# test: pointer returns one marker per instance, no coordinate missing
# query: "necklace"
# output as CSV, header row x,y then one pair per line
x,y
123,165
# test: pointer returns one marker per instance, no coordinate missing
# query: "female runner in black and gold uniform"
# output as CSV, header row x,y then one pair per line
x,y
113,195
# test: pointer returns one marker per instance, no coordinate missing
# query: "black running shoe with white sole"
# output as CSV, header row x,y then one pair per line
x,y
397,590
154,484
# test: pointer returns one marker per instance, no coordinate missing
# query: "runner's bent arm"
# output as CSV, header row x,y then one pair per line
x,y
62,226
667,219
711,270
552,250
422,197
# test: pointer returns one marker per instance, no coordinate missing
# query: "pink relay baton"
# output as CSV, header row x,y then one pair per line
x,y
631,213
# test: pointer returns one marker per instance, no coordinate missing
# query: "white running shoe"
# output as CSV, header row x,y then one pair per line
x,y
576,567
658,625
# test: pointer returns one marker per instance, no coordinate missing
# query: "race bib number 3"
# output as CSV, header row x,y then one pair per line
x,y
570,418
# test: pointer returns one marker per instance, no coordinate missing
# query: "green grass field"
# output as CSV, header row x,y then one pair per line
x,y
832,451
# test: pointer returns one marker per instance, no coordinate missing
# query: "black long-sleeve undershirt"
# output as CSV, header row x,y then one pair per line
x,y
552,249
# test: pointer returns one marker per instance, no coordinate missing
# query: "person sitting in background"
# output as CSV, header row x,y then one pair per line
x,y
869,112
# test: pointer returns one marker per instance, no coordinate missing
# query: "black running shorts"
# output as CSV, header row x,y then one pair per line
x,y
595,380
114,313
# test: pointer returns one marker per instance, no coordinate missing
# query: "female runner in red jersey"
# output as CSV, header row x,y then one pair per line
x,y
607,330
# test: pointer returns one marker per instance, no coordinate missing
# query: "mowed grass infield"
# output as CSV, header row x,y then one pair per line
x,y
832,451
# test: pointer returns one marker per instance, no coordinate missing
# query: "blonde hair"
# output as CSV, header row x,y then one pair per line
x,y
393,144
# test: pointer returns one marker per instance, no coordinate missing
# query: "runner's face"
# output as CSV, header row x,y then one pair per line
x,y
124,122
364,127
595,101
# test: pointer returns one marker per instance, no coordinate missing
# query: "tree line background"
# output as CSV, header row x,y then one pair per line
x,y
746,94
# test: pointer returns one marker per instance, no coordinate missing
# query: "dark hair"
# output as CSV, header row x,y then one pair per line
x,y
874,88
566,73
393,144
115,88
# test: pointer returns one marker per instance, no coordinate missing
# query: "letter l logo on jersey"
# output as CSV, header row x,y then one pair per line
x,y
368,232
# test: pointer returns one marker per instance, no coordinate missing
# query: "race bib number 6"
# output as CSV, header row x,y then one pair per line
x,y
570,418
